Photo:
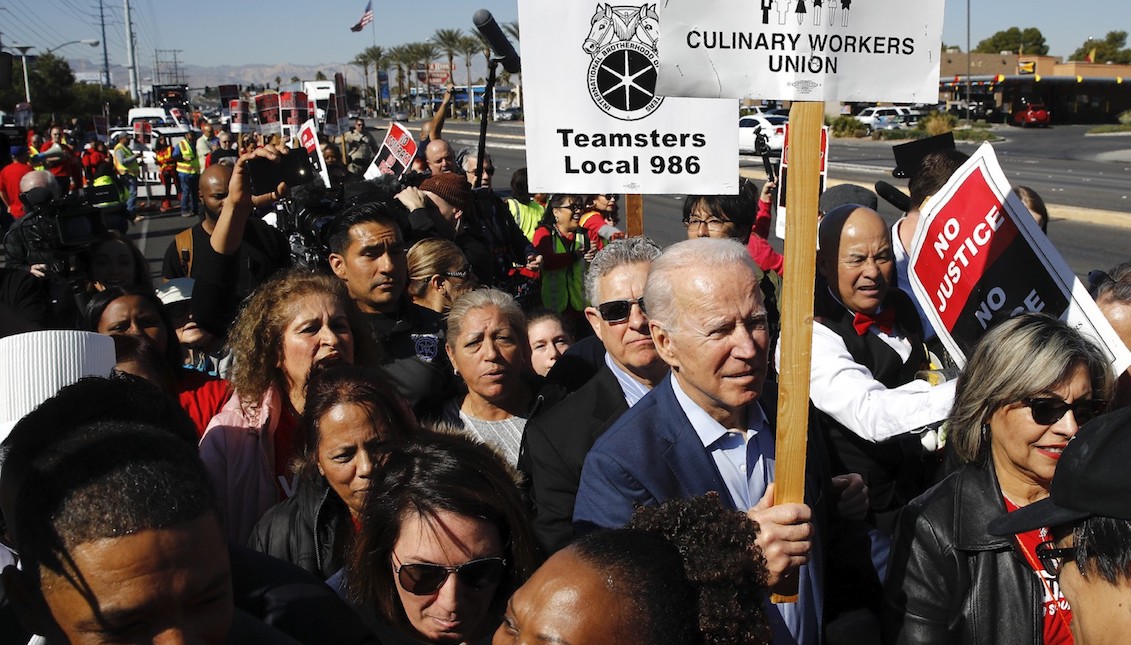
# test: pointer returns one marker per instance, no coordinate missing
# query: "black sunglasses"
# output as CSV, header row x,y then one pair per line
x,y
1052,558
1048,410
576,208
422,579
615,311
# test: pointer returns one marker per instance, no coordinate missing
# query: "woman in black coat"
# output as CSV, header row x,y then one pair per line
x,y
351,414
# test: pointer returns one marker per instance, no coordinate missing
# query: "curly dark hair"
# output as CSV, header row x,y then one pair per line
x,y
256,337
704,583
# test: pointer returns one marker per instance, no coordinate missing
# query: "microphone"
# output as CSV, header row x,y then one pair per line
x,y
893,196
502,47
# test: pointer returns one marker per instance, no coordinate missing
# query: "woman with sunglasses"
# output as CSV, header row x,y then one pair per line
x,y
1030,384
600,219
444,541
566,251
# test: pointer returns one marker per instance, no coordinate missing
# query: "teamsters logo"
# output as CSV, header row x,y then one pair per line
x,y
622,72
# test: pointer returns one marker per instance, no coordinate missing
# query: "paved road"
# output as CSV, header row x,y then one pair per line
x,y
1061,163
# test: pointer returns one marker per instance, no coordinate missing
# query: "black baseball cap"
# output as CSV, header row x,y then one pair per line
x,y
1092,478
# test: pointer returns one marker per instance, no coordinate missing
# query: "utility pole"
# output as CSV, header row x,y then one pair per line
x,y
131,57
105,51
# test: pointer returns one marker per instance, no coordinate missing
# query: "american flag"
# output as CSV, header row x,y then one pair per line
x,y
366,17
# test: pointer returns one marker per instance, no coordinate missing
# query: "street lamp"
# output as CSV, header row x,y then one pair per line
x,y
23,49
88,41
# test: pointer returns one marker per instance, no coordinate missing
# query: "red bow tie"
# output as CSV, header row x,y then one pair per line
x,y
885,320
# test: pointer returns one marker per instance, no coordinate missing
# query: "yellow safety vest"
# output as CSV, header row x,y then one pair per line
x,y
130,168
188,164
527,216
32,152
563,288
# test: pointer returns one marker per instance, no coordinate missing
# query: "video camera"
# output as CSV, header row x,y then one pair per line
x,y
55,229
303,217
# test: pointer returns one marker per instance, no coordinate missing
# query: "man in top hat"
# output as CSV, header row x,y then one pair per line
x,y
1087,517
867,348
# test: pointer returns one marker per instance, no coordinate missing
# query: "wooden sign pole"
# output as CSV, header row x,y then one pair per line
x,y
634,214
804,150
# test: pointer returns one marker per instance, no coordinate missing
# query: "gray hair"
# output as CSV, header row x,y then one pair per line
x,y
706,255
481,299
1021,357
470,154
630,250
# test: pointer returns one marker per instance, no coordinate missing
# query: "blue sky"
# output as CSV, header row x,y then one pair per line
x,y
216,32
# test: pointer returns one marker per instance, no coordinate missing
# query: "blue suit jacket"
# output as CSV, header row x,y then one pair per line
x,y
652,454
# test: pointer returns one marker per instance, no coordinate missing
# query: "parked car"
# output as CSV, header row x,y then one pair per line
x,y
883,118
400,115
510,114
1032,114
773,126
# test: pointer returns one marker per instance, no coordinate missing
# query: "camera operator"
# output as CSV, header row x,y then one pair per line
x,y
55,241
263,249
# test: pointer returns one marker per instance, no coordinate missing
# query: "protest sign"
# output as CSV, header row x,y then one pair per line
x,y
340,98
267,107
228,93
293,111
593,120
783,177
331,127
240,119
101,127
308,138
395,156
811,50
143,133
978,258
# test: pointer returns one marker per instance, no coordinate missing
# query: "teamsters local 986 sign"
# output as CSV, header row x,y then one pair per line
x,y
594,122
801,50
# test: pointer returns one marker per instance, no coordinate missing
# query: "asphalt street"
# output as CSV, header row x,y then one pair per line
x,y
1062,164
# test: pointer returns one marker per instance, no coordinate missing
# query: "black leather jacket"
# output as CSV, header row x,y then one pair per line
x,y
311,529
950,581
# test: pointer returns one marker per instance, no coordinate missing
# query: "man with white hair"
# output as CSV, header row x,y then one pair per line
x,y
709,427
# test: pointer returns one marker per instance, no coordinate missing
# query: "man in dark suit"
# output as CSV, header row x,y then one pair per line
x,y
554,444
707,427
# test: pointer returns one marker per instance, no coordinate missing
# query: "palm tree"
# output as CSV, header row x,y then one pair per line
x,y
469,47
401,58
379,60
362,61
426,52
511,29
449,40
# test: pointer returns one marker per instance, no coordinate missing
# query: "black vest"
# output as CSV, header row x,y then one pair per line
x,y
897,470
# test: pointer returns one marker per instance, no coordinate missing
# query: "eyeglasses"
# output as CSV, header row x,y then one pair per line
x,y
489,171
423,579
615,311
1053,558
1048,410
576,208
611,196
713,224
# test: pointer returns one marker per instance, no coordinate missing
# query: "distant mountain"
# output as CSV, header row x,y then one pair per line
x,y
200,76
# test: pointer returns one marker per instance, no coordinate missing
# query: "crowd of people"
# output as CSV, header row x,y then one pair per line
x,y
475,419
